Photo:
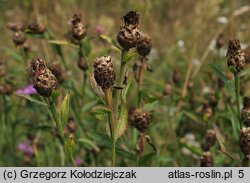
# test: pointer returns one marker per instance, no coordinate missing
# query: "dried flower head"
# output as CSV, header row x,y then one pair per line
x,y
140,120
245,140
18,38
128,38
6,89
206,159
15,26
78,28
36,28
58,71
236,58
131,19
210,140
144,45
104,73
82,64
246,111
44,81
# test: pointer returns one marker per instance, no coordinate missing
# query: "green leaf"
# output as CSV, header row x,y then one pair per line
x,y
147,159
86,46
123,114
220,74
244,72
92,144
55,94
110,41
234,122
192,116
101,109
65,110
28,97
151,106
70,145
129,56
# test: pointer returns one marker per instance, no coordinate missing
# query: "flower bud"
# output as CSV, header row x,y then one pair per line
x,y
140,120
58,71
245,140
246,111
144,45
206,159
128,37
82,64
104,73
18,38
236,58
44,81
78,28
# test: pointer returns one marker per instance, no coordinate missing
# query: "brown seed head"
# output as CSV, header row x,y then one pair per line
x,y
78,28
245,140
131,19
18,38
140,120
144,45
210,140
104,73
128,38
36,28
206,159
15,26
236,58
44,81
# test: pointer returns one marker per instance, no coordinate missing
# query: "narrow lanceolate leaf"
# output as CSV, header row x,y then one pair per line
x,y
62,42
123,114
70,145
101,109
33,100
65,110
220,74
110,41
151,106
245,72
234,121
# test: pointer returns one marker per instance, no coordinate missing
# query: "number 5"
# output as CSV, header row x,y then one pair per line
x,y
241,173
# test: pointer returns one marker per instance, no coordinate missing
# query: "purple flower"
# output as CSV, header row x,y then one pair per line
x,y
26,148
26,90
78,161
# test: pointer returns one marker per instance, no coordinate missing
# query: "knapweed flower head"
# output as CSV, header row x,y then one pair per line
x,y
26,148
79,161
206,159
144,45
26,90
78,30
104,73
129,33
140,119
44,81
235,56
19,37
246,111
210,140
245,140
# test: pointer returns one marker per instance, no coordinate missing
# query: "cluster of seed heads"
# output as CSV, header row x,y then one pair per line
x,y
130,35
44,81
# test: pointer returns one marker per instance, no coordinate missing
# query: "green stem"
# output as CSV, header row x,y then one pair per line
x,y
237,94
62,137
108,99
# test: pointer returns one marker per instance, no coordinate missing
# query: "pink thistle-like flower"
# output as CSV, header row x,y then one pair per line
x,y
26,90
26,148
79,161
